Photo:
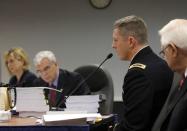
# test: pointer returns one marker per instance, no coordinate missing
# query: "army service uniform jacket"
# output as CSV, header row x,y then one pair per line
x,y
145,89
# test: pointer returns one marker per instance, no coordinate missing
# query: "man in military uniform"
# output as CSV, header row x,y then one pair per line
x,y
148,80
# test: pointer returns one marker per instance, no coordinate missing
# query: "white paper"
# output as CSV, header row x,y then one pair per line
x,y
83,98
59,117
88,103
31,99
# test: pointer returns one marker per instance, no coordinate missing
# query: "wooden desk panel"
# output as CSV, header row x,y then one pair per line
x,y
15,121
28,124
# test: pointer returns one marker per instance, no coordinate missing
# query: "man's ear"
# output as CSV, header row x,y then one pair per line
x,y
132,41
174,50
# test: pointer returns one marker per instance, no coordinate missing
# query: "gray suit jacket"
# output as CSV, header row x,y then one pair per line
x,y
163,114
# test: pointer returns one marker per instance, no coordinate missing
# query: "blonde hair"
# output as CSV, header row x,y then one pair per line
x,y
19,54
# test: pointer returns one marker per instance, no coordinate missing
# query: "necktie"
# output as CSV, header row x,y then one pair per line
x,y
53,96
181,82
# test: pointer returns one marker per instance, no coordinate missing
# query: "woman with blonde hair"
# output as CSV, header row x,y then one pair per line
x,y
17,64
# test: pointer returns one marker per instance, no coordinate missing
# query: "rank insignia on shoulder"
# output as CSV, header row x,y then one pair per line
x,y
138,65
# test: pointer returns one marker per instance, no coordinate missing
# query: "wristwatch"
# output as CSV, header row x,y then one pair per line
x,y
100,4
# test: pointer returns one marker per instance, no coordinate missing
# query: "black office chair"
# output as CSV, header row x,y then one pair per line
x,y
100,83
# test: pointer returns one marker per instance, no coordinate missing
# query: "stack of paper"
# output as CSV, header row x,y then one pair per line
x,y
69,119
31,100
88,103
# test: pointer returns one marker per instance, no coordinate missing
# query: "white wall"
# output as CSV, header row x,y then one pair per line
x,y
76,32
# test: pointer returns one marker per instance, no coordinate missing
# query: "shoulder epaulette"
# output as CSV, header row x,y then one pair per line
x,y
138,65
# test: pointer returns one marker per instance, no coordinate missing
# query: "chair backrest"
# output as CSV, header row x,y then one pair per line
x,y
100,83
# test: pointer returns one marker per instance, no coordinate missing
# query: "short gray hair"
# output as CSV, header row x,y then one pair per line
x,y
44,54
174,32
134,26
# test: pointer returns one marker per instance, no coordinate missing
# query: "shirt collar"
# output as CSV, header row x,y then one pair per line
x,y
139,51
185,73
55,82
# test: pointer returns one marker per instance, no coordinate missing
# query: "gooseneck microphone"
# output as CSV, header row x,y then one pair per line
x,y
4,84
88,77
12,85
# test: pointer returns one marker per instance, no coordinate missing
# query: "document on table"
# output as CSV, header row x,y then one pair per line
x,y
70,119
31,99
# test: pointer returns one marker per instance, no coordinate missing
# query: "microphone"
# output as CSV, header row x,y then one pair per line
x,y
84,80
12,85
109,56
4,84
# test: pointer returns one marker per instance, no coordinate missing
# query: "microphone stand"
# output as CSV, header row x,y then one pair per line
x,y
88,77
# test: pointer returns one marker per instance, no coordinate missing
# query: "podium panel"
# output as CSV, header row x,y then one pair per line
x,y
44,128
28,124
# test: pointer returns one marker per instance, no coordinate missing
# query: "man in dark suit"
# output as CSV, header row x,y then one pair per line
x,y
163,114
174,49
148,80
52,76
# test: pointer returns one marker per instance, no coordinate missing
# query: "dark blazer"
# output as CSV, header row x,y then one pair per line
x,y
174,114
163,114
26,80
66,81
146,86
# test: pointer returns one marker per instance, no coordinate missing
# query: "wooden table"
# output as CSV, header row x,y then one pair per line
x,y
29,124
16,121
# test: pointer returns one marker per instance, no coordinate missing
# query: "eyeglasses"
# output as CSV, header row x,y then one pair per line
x,y
162,52
45,69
